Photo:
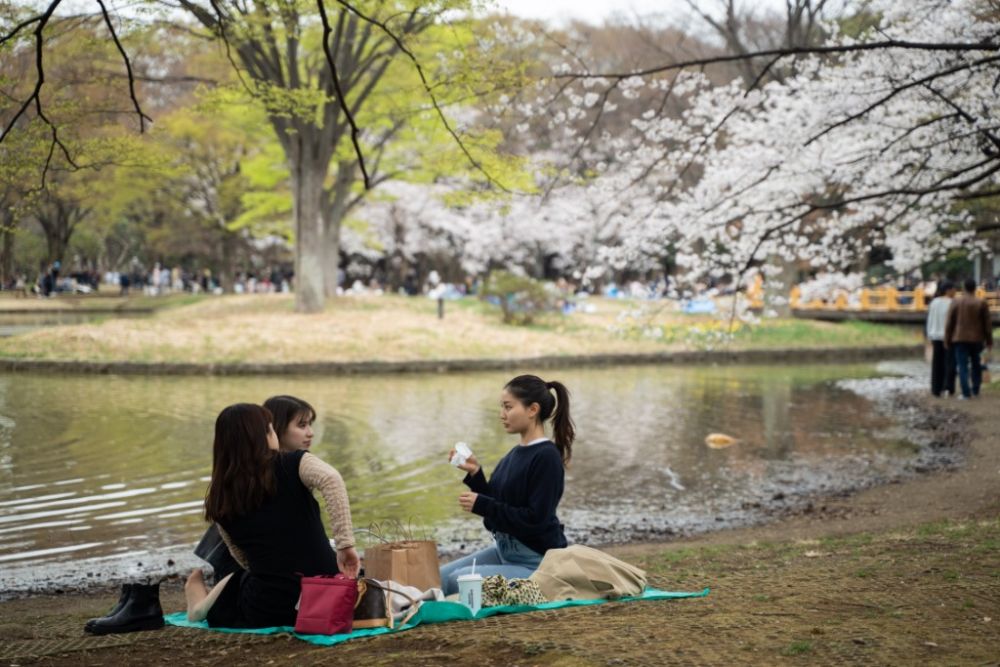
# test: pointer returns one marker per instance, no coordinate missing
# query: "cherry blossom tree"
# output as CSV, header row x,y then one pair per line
x,y
868,140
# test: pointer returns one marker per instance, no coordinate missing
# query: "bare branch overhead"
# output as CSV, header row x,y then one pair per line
x,y
430,92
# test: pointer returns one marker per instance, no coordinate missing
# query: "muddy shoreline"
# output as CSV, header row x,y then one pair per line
x,y
937,429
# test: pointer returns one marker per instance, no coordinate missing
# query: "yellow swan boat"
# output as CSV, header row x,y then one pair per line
x,y
720,440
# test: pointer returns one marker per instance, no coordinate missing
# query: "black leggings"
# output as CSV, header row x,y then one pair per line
x,y
942,369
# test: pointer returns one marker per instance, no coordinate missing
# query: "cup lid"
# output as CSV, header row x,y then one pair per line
x,y
470,577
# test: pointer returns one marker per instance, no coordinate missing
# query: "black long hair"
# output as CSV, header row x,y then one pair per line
x,y
285,409
530,389
242,474
943,287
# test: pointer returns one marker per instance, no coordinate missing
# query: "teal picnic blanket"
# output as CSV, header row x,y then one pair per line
x,y
429,612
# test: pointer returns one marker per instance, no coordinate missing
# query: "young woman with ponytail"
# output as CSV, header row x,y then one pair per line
x,y
518,504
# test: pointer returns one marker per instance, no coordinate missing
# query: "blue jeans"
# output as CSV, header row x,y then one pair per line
x,y
507,556
964,354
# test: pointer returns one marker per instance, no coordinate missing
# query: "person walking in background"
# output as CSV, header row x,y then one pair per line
x,y
942,359
968,328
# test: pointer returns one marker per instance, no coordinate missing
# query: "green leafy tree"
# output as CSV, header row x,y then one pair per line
x,y
310,81
404,139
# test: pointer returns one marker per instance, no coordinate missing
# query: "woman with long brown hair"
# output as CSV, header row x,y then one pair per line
x,y
292,419
261,500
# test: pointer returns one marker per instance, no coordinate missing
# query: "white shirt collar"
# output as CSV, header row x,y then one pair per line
x,y
535,442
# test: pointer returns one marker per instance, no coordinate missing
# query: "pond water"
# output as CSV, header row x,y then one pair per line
x,y
105,475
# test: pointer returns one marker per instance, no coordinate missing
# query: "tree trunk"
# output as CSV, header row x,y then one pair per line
x,y
334,203
307,189
56,242
227,272
778,288
776,411
988,262
331,251
59,220
7,256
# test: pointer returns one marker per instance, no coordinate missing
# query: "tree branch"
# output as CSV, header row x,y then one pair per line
x,y
36,97
221,29
791,51
128,68
327,30
430,92
24,24
923,81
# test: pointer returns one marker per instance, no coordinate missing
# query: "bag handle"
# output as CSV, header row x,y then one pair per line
x,y
403,532
377,535
390,590
362,589
414,604
414,608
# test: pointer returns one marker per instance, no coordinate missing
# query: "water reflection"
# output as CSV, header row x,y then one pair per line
x,y
91,467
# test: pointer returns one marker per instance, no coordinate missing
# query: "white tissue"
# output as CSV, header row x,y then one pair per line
x,y
462,454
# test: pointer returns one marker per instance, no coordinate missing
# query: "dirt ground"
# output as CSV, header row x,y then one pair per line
x,y
897,575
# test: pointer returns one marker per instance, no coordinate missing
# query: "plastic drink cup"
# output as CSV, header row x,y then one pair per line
x,y
470,591
462,454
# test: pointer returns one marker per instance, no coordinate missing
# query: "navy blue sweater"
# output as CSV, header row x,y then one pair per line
x,y
522,495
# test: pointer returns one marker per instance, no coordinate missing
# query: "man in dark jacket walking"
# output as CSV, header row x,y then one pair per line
x,y
968,328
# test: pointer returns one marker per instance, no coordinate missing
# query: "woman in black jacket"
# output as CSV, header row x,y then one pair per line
x,y
518,503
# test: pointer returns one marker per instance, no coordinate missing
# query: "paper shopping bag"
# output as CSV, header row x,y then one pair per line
x,y
409,562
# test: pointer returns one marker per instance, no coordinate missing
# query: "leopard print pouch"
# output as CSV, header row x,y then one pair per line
x,y
498,591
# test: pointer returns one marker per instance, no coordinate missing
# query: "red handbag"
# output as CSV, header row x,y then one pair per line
x,y
326,606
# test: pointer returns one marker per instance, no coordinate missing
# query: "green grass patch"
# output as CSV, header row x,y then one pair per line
x,y
157,303
674,557
949,529
988,546
807,333
932,529
993,387
713,332
858,540
797,648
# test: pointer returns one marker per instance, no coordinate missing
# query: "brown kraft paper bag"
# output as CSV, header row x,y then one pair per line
x,y
409,562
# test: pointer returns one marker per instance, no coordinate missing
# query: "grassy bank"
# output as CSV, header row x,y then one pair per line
x,y
265,329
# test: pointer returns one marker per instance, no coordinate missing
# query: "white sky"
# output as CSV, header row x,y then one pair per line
x,y
592,11
675,12
596,11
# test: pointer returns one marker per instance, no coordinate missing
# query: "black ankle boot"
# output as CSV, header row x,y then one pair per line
x,y
126,592
141,611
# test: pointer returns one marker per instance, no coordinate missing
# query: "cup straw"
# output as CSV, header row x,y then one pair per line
x,y
473,566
